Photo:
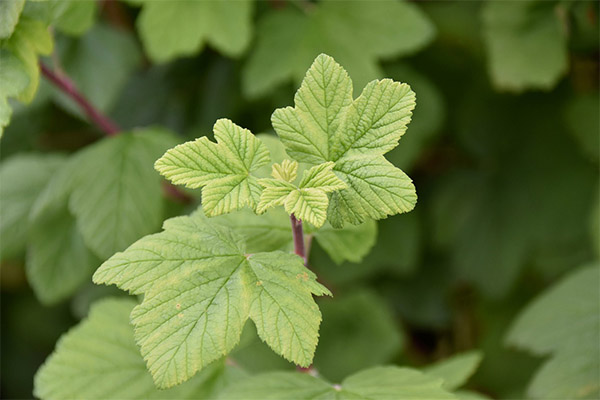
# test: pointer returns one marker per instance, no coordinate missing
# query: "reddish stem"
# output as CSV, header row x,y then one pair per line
x,y
298,235
68,87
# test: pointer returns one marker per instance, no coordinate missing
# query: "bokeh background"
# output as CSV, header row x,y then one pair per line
x,y
503,149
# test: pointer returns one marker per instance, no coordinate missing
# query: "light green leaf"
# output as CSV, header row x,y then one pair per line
x,y
286,171
564,322
356,33
515,30
326,125
201,286
455,370
381,383
181,28
9,16
30,39
309,200
101,350
352,243
117,197
22,179
99,63
360,321
223,169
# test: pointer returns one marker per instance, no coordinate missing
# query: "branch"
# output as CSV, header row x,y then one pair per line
x,y
68,87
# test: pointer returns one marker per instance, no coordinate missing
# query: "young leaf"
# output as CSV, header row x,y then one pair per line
x,y
98,359
381,383
356,33
22,179
117,197
201,286
223,169
180,28
309,200
13,80
515,30
564,322
327,125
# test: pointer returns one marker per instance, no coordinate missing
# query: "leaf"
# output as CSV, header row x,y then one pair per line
x,y
581,116
101,350
117,197
308,201
564,322
360,321
23,179
99,63
327,125
455,370
352,243
13,80
9,16
73,17
201,286
30,39
513,31
357,34
58,261
381,383
181,28
223,169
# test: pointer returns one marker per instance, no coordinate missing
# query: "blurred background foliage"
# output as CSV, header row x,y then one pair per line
x,y
503,149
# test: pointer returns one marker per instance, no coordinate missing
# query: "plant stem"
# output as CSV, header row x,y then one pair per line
x,y
300,249
68,87
298,235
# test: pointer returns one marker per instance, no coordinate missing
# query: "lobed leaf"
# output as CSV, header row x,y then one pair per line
x,y
224,169
200,286
326,125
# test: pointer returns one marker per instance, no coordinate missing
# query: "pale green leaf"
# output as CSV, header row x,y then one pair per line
x,y
98,359
381,383
22,179
73,17
286,171
326,125
200,288
321,177
356,33
9,16
117,197
181,28
564,322
455,370
352,243
275,193
223,169
516,30
308,205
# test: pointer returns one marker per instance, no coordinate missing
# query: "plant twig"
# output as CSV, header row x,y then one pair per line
x,y
300,249
68,87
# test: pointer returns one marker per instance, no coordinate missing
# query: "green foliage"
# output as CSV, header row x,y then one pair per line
x,y
376,383
99,359
223,170
357,34
23,179
327,125
201,286
456,370
526,43
564,323
181,28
